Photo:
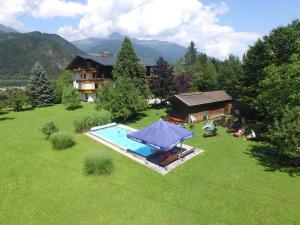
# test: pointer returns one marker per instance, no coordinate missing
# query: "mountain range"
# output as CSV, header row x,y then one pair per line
x,y
144,48
5,29
19,52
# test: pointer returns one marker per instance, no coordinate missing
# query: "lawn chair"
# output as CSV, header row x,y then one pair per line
x,y
251,136
209,125
221,121
239,133
236,125
210,133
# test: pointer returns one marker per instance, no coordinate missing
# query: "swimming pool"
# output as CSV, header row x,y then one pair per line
x,y
118,135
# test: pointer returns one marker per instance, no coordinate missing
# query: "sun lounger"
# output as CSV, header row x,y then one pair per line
x,y
240,133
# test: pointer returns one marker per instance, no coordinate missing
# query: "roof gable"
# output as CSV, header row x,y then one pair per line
x,y
109,60
201,98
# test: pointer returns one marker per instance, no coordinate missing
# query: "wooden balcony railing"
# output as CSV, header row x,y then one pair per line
x,y
87,90
88,80
83,70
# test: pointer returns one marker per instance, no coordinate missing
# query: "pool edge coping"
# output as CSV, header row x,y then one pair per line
x,y
141,160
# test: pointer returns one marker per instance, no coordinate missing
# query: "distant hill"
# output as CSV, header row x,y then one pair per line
x,y
144,48
5,29
19,52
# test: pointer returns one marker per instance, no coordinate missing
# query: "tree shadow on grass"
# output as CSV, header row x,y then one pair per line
x,y
133,119
158,106
272,160
3,112
29,108
6,118
74,108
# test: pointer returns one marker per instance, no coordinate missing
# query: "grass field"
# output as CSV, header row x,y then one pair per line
x,y
232,182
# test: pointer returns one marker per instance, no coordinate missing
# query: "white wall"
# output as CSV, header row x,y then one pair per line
x,y
82,85
91,97
87,86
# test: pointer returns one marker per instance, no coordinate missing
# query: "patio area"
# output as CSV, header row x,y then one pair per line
x,y
177,155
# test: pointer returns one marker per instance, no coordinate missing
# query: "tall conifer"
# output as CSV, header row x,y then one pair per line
x,y
39,87
128,64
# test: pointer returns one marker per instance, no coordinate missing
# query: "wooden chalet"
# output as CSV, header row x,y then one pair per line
x,y
90,72
197,104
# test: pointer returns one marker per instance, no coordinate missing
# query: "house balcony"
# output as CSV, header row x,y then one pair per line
x,y
87,90
83,70
89,85
96,80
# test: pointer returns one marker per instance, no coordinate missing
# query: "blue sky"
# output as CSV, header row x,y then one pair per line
x,y
259,15
218,27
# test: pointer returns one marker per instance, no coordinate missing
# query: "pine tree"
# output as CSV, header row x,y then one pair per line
x,y
40,89
205,76
128,64
191,55
230,74
163,86
257,58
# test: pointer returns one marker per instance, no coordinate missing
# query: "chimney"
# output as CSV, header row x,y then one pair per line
x,y
105,54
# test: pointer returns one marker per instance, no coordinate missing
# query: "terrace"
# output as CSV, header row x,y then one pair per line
x,y
115,137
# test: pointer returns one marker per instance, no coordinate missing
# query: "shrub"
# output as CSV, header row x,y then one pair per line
x,y
122,98
64,79
285,133
85,122
97,163
49,128
70,97
61,140
3,98
17,99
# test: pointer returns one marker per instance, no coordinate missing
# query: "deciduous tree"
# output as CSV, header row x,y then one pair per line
x,y
255,61
71,97
183,83
280,89
122,99
285,132
163,86
64,79
17,99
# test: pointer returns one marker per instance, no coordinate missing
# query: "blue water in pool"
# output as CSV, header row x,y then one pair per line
x,y
118,136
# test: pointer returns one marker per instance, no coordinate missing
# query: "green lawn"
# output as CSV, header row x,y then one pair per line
x,y
227,184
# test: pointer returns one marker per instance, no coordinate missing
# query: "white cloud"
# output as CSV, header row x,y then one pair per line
x,y
13,11
172,20
8,10
52,8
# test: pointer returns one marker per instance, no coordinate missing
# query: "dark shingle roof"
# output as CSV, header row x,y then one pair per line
x,y
111,60
201,98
